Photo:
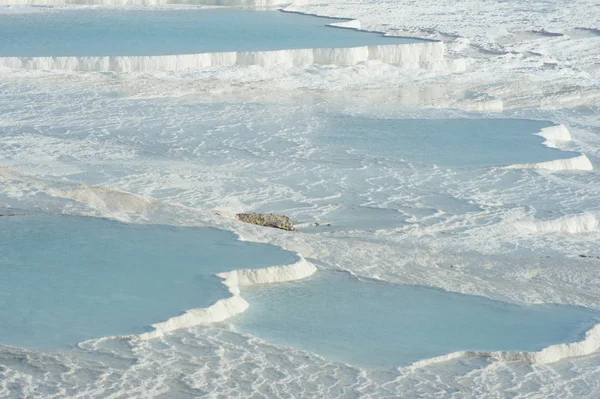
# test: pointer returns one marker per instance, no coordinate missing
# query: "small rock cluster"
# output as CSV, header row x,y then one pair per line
x,y
268,220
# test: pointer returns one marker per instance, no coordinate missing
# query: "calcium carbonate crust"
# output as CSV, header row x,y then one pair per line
x,y
588,222
422,54
555,135
551,354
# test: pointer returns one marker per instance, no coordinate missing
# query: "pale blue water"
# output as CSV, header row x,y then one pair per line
x,y
164,32
457,143
68,279
376,324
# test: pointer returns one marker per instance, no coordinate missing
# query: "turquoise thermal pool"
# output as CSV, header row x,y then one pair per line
x,y
377,324
169,32
69,279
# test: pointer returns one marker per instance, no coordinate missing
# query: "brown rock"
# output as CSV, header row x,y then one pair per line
x,y
268,220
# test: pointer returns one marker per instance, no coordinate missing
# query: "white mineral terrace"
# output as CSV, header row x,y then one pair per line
x,y
425,54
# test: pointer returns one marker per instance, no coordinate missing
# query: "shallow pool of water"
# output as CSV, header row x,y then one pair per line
x,y
68,279
167,32
456,143
377,324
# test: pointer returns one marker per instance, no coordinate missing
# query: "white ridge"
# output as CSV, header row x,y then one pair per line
x,y
235,304
587,222
555,135
580,162
555,353
411,53
351,24
551,354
